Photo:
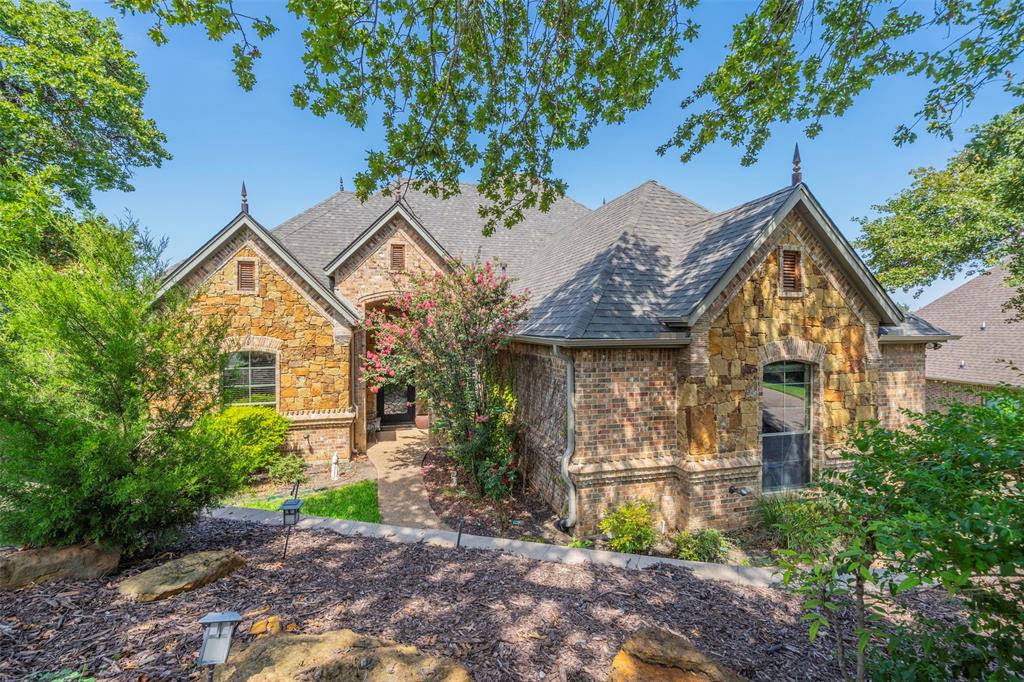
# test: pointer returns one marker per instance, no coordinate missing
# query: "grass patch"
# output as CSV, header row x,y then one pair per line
x,y
795,391
352,502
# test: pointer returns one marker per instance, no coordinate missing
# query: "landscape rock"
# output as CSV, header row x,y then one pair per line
x,y
76,562
184,574
336,656
655,655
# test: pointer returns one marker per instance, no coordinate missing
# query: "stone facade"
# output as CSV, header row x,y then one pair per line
x,y
681,426
312,349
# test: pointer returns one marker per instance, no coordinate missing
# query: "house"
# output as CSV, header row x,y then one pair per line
x,y
989,348
671,352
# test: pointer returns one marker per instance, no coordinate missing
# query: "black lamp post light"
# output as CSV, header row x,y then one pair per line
x,y
217,631
291,511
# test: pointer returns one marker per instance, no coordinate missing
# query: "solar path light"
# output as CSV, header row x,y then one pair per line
x,y
217,631
291,510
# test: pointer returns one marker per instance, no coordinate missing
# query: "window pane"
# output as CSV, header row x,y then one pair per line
x,y
250,378
773,418
262,359
785,425
262,375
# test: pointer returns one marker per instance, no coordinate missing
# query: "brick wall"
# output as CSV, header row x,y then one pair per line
x,y
539,382
937,392
902,382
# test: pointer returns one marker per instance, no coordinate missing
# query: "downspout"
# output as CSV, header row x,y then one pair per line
x,y
564,524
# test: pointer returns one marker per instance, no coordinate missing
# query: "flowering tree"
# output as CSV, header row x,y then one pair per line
x,y
442,332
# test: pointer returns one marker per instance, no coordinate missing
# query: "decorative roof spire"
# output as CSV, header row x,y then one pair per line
x,y
798,177
245,200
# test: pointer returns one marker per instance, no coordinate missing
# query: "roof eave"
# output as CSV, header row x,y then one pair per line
x,y
661,341
918,338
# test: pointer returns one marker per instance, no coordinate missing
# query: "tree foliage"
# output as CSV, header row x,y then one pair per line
x,y
102,391
968,214
503,86
939,503
70,102
442,332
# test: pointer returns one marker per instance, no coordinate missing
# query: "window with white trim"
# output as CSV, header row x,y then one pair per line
x,y
249,377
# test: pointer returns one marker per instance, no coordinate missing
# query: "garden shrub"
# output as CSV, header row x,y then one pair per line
x,y
793,520
256,433
287,469
631,527
706,544
102,391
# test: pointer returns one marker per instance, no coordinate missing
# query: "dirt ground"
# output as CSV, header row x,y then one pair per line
x,y
503,617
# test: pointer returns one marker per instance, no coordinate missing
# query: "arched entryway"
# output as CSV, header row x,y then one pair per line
x,y
394,405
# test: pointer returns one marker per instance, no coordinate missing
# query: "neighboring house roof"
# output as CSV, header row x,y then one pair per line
x,y
974,310
243,221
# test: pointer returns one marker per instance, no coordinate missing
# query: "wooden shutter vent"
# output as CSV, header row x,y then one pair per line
x,y
791,271
397,257
246,275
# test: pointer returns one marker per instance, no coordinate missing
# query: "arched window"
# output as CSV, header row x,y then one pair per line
x,y
250,378
786,426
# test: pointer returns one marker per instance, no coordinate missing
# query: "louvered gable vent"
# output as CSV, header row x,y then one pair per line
x,y
791,271
246,275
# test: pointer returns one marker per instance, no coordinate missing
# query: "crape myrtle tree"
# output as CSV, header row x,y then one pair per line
x,y
941,505
103,390
442,332
505,86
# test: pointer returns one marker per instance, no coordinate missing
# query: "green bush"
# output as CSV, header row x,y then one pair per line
x,y
631,527
793,521
255,433
287,469
706,544
98,386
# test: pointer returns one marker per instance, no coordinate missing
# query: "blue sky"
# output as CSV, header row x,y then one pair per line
x,y
290,159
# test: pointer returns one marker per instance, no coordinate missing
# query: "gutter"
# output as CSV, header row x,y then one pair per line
x,y
664,340
564,524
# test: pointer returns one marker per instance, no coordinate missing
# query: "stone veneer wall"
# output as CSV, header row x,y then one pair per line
x,y
367,275
312,349
538,378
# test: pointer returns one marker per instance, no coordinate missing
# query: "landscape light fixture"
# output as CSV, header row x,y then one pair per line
x,y
291,511
217,631
743,492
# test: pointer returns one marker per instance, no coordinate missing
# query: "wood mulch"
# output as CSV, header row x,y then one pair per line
x,y
503,617
527,516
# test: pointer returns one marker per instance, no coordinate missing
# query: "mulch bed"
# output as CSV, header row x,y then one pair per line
x,y
318,479
528,517
503,617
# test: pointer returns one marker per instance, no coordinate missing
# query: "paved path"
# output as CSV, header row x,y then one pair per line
x,y
400,491
741,575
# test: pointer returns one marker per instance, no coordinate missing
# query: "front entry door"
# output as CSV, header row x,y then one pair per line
x,y
397,405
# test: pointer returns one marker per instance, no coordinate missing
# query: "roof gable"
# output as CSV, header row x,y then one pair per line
x,y
244,222
399,210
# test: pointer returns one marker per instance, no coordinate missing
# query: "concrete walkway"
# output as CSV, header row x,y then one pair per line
x,y
400,491
741,575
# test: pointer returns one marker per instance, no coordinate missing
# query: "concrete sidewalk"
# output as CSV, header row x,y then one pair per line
x,y
741,575
403,500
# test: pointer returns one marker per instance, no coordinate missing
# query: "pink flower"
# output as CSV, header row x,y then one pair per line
x,y
481,418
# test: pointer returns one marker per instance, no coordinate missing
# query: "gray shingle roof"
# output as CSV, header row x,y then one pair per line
x,y
911,326
985,352
648,254
320,233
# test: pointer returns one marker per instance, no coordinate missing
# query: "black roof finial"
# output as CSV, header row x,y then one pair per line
x,y
245,200
798,177
341,183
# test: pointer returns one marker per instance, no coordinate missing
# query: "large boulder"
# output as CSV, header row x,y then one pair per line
x,y
653,655
184,574
76,562
336,656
